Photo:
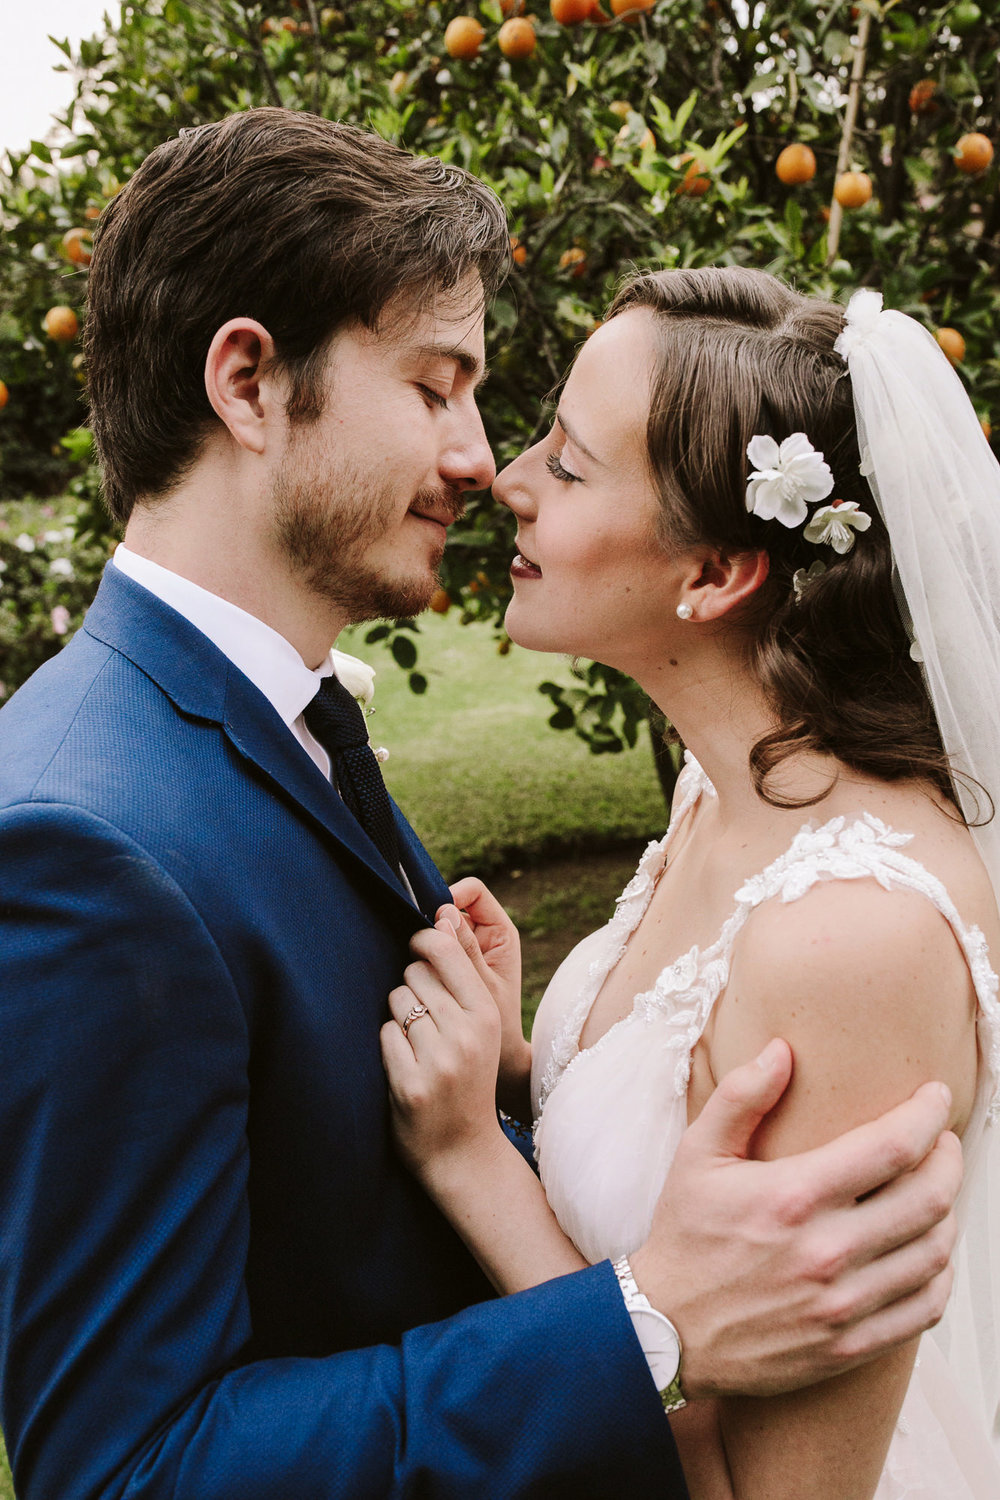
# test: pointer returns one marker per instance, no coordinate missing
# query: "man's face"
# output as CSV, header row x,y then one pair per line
x,y
363,495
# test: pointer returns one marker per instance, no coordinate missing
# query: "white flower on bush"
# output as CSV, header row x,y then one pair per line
x,y
52,536
787,478
834,525
24,542
60,619
61,566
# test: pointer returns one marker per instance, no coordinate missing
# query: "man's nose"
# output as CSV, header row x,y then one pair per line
x,y
468,462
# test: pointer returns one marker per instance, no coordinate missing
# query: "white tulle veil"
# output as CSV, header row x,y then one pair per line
x,y
937,485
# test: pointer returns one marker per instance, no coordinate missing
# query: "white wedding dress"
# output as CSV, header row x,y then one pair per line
x,y
609,1118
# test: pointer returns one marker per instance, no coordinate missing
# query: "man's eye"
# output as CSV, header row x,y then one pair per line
x,y
434,396
556,469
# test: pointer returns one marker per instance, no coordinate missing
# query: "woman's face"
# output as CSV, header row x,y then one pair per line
x,y
591,578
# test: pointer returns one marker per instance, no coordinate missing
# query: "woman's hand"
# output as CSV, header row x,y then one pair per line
x,y
442,1069
491,941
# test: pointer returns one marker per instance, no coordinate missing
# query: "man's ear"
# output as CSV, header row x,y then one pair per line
x,y
725,582
243,396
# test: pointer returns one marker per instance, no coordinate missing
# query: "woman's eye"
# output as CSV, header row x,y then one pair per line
x,y
556,469
434,396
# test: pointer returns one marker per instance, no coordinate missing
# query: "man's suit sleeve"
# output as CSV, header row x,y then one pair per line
x,y
124,1227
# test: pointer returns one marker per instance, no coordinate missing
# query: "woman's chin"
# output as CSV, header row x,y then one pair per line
x,y
526,629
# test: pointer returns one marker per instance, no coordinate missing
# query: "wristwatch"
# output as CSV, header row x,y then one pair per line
x,y
661,1343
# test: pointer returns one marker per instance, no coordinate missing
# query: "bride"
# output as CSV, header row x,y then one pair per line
x,y
785,525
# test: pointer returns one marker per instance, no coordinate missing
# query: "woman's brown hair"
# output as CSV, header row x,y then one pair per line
x,y
301,223
740,353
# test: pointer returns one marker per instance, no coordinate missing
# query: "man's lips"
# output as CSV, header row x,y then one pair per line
x,y
523,567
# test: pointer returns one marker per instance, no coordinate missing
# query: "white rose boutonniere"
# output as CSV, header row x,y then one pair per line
x,y
357,676
359,680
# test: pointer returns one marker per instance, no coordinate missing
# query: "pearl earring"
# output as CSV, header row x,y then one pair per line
x,y
684,611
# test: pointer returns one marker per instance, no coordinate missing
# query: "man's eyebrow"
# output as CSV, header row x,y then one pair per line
x,y
467,363
575,440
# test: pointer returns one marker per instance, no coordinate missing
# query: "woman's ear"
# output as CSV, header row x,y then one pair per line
x,y
243,397
724,583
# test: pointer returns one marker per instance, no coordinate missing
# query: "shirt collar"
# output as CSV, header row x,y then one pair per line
x,y
261,653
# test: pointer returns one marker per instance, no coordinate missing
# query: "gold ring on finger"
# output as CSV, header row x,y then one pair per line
x,y
414,1015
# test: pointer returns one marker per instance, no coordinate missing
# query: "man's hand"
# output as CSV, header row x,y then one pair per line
x,y
774,1273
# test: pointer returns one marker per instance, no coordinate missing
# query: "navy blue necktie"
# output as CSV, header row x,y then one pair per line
x,y
338,722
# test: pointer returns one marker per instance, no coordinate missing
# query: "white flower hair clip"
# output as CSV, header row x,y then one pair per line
x,y
787,479
834,525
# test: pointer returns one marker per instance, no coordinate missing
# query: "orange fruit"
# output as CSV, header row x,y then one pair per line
x,y
630,8
973,153
694,185
620,107
518,251
463,37
796,164
852,189
922,97
952,343
440,601
61,324
598,16
984,423
511,7
570,12
4,395
574,259
516,38
77,245
93,212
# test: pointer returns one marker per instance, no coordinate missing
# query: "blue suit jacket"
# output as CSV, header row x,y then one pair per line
x,y
216,1280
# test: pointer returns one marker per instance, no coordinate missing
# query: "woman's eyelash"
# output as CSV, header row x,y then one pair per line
x,y
434,395
555,468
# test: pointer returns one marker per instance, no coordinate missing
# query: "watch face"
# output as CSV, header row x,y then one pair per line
x,y
660,1344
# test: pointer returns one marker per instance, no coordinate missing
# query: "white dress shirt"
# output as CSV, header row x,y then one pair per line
x,y
269,660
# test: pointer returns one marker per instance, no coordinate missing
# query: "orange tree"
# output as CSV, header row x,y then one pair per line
x,y
641,137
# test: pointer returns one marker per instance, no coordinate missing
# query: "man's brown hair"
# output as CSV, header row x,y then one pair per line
x,y
300,223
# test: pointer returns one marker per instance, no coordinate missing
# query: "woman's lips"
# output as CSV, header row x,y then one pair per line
x,y
522,568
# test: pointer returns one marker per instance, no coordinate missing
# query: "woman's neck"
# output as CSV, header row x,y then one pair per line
x,y
720,712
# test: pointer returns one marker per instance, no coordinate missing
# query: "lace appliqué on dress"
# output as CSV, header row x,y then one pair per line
x,y
629,908
685,992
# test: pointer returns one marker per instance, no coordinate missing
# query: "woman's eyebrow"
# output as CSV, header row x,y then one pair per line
x,y
576,441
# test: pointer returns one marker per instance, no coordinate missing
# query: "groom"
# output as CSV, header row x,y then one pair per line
x,y
216,1280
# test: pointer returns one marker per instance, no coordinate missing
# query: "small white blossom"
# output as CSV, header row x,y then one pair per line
x,y
787,478
24,542
834,525
60,619
62,566
381,754
52,536
915,652
802,577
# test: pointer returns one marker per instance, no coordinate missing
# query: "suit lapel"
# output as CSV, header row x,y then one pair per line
x,y
203,683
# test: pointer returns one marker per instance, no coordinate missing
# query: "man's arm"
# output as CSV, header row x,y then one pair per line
x,y
777,1276
124,1316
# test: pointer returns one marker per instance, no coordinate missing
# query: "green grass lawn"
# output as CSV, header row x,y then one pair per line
x,y
476,768
487,784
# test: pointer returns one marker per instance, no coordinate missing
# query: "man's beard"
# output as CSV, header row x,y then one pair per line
x,y
327,528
